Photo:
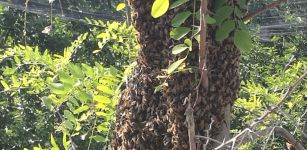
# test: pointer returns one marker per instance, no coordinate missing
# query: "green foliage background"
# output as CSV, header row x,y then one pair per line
x,y
61,89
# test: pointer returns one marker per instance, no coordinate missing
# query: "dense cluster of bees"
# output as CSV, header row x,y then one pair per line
x,y
155,120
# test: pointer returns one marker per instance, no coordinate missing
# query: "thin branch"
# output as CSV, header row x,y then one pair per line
x,y
304,130
286,95
210,139
202,51
190,123
202,44
208,133
254,135
263,9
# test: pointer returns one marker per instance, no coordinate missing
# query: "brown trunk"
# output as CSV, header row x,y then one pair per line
x,y
148,120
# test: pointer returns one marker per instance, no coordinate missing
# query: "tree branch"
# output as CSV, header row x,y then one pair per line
x,y
286,95
263,9
241,138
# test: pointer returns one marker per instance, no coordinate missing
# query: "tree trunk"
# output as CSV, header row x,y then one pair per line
x,y
149,120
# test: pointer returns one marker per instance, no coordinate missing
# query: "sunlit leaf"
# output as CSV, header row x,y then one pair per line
x,y
100,113
102,99
81,109
159,8
105,89
179,48
174,66
120,6
9,71
5,85
53,143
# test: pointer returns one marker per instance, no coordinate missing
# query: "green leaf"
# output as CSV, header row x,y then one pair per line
x,y
180,18
69,116
17,60
174,66
179,32
57,88
65,142
47,102
101,113
9,71
219,3
98,138
178,3
16,83
243,40
223,13
120,6
76,71
210,20
5,85
158,88
102,99
242,4
68,125
179,48
188,42
54,145
81,109
223,32
238,12
105,89
159,8
83,97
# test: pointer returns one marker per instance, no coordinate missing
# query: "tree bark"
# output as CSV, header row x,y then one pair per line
x,y
149,120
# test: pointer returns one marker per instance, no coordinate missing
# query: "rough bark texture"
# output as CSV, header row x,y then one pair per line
x,y
148,120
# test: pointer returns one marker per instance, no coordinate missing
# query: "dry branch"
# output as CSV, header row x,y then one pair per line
x,y
190,123
263,9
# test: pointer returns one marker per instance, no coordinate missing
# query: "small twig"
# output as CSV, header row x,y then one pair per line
x,y
208,133
263,9
234,139
286,95
304,129
210,139
190,123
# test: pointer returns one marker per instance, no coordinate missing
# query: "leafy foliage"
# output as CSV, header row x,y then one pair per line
x,y
267,74
52,94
